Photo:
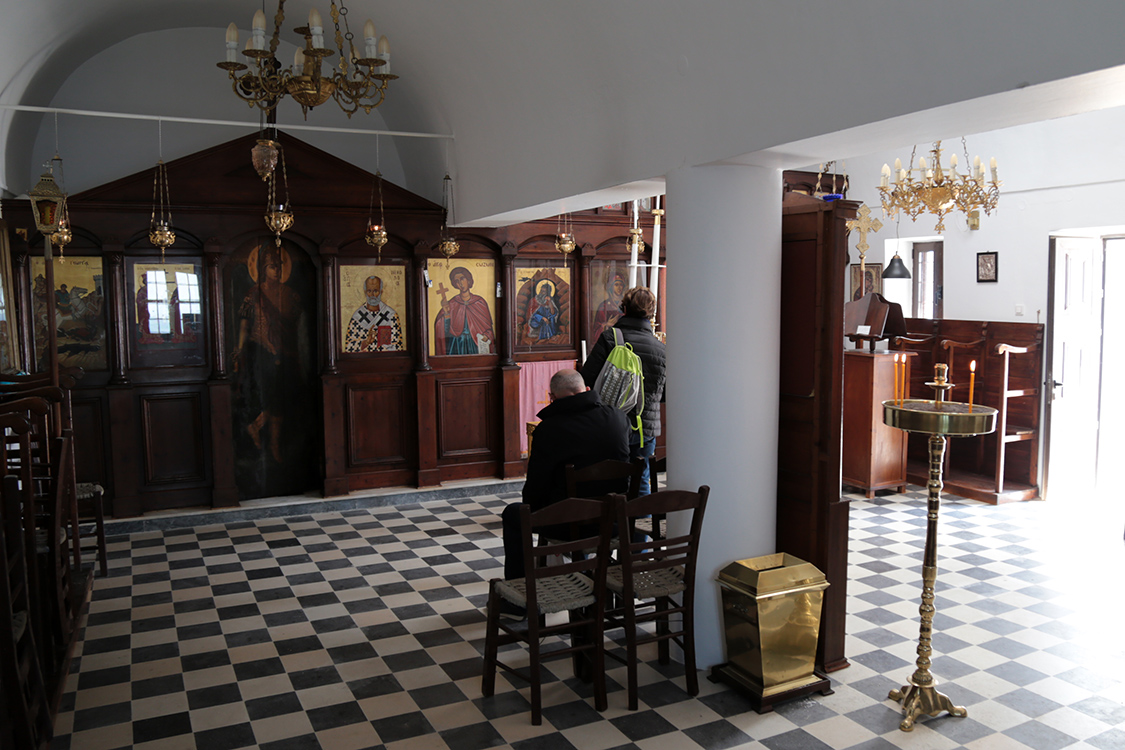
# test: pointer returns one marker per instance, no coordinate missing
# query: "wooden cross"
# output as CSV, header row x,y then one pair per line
x,y
442,291
864,223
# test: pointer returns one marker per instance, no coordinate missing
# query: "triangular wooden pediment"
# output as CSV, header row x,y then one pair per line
x,y
223,176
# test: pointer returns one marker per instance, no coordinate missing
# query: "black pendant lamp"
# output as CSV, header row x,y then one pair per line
x,y
896,269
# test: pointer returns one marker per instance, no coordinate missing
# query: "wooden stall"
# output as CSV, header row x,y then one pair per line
x,y
240,366
1003,466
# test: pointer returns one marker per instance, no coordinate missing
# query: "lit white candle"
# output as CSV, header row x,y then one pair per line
x,y
232,43
384,53
370,40
316,29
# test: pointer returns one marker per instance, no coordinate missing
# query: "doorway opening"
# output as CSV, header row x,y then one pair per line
x,y
1086,324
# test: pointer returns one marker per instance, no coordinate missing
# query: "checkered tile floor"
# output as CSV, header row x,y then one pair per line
x,y
363,629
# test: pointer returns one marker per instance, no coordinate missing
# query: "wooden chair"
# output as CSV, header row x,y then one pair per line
x,y
55,574
582,483
29,714
649,576
91,509
575,586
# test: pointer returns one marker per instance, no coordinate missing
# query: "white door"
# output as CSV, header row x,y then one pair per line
x,y
1075,328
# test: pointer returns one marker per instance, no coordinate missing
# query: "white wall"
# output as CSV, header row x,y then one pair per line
x,y
185,83
1059,174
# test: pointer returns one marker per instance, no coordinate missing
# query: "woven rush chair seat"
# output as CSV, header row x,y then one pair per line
x,y
556,580
649,584
645,526
555,594
87,490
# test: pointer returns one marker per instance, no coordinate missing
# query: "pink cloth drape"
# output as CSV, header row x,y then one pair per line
x,y
535,381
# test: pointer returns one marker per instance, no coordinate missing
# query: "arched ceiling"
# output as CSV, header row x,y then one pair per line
x,y
555,105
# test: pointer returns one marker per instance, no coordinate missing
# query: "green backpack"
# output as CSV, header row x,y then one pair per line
x,y
621,382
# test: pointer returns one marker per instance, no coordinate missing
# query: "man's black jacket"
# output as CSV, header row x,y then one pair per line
x,y
578,430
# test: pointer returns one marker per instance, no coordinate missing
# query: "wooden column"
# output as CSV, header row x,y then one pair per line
x,y
213,254
24,306
224,491
116,290
585,255
329,264
332,385
425,377
512,465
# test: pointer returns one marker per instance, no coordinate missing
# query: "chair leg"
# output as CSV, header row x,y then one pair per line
x,y
601,701
491,645
662,629
689,644
631,651
99,528
534,669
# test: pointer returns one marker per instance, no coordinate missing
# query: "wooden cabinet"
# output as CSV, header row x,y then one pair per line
x,y
874,455
812,517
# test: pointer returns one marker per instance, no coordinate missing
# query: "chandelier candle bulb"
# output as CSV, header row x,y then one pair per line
x,y
384,52
370,40
972,382
885,180
316,29
232,43
992,166
258,30
299,61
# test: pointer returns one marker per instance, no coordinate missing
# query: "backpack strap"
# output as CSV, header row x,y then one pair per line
x,y
616,336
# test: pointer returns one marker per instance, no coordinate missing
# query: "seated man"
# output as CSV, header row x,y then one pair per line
x,y
576,428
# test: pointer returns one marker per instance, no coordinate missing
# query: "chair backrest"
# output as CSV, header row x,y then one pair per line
x,y
591,525
605,477
648,555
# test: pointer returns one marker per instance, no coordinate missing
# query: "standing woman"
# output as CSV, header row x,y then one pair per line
x,y
638,305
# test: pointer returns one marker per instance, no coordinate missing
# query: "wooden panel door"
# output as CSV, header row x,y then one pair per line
x,y
1074,317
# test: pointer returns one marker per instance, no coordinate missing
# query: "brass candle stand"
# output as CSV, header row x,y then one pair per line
x,y
940,419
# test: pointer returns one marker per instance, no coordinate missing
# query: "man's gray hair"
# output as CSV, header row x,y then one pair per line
x,y
567,383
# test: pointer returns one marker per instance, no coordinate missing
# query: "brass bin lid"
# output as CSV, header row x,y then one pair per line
x,y
772,575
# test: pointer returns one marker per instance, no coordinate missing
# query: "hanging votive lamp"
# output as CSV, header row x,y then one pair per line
x,y
278,216
160,232
264,157
564,240
63,236
377,233
47,201
447,246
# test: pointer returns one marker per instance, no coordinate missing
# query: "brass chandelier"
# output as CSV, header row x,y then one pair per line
x,y
939,190
356,82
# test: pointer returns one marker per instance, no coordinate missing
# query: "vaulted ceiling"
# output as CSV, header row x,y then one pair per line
x,y
560,105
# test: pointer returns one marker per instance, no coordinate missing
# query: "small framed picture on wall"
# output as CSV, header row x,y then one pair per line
x,y
986,267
